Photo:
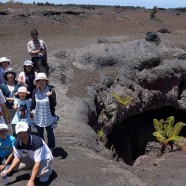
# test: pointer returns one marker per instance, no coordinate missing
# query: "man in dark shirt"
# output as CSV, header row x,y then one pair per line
x,y
39,156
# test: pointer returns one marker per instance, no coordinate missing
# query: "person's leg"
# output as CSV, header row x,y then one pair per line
x,y
13,130
25,164
40,66
12,113
50,136
40,132
44,170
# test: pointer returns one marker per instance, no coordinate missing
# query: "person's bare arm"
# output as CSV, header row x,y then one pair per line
x,y
3,106
34,173
10,157
15,162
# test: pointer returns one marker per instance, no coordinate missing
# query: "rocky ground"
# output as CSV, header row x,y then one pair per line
x,y
79,160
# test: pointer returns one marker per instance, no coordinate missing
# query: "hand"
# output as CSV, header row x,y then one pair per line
x,y
15,107
2,167
4,173
54,125
30,183
49,93
32,113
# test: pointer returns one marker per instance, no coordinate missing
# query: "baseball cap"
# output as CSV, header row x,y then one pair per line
x,y
3,126
21,127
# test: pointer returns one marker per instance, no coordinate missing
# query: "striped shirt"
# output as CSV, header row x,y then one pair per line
x,y
42,116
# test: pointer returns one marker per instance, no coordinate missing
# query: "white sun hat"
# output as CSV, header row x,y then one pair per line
x,y
40,76
22,89
3,126
4,59
21,127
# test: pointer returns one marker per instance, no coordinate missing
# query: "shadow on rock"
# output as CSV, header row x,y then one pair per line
x,y
60,152
52,177
37,182
20,178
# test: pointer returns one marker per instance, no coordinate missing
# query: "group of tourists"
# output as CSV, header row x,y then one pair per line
x,y
25,102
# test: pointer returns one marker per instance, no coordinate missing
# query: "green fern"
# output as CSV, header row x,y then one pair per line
x,y
124,101
166,132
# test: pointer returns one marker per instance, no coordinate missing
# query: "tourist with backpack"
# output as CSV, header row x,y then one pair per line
x,y
38,52
43,108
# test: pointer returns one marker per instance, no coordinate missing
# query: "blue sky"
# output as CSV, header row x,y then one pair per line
x,y
142,3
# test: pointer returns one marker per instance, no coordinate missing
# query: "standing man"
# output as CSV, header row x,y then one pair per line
x,y
38,52
39,156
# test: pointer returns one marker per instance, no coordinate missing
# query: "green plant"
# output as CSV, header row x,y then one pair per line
x,y
101,136
166,132
124,101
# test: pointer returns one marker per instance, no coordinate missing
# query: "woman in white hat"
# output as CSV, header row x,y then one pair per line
x,y
26,78
43,106
4,64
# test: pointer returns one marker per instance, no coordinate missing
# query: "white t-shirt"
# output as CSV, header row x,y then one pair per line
x,y
36,149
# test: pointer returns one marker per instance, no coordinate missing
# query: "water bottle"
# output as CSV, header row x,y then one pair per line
x,y
5,180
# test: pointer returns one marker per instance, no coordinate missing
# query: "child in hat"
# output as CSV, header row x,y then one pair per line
x,y
22,107
6,147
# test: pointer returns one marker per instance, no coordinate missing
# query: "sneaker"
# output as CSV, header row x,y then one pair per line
x,y
44,179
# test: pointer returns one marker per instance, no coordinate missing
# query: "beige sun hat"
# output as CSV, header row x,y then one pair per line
x,y
22,89
40,76
4,59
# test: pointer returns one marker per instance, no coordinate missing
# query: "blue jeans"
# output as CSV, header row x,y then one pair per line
x,y
50,135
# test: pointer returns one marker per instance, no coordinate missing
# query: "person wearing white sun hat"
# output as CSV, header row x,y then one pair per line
x,y
22,107
43,108
38,157
6,145
4,64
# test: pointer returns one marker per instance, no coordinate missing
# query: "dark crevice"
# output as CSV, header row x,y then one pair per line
x,y
130,137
